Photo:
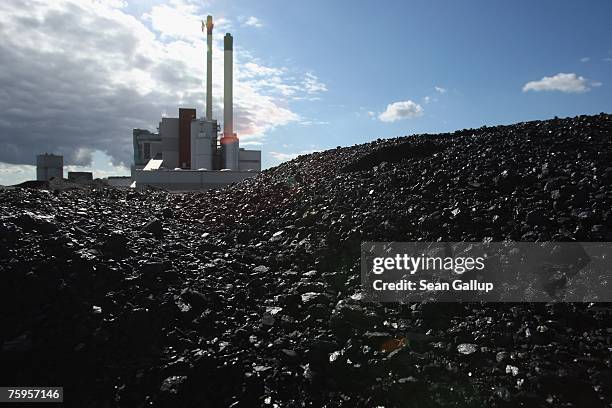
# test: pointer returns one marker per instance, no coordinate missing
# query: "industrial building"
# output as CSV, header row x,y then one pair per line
x,y
187,153
147,146
49,166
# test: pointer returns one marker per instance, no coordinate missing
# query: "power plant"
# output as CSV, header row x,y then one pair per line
x,y
187,153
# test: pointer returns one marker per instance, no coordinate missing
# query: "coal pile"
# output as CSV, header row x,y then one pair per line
x,y
250,296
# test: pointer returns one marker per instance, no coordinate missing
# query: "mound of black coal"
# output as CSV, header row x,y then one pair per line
x,y
249,296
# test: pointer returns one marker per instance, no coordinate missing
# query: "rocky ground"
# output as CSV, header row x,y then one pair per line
x,y
250,296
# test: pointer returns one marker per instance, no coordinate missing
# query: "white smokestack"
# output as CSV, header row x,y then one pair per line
x,y
228,79
229,142
209,30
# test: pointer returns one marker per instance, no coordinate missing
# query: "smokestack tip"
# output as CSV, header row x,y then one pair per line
x,y
209,25
228,42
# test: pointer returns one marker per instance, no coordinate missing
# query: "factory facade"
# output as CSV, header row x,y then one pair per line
x,y
187,153
147,146
49,166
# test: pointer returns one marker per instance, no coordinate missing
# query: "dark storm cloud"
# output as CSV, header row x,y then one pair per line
x,y
59,95
50,104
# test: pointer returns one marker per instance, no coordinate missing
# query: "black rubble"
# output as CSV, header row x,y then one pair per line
x,y
250,296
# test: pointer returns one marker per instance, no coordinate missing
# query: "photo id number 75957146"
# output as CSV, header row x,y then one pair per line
x,y
31,394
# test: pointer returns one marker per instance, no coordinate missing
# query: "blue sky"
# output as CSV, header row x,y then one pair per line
x,y
481,52
309,75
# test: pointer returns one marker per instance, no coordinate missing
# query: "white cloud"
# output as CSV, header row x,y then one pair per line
x,y
252,69
313,122
13,173
401,110
116,3
312,85
371,114
568,83
585,59
282,157
251,21
175,22
441,90
279,82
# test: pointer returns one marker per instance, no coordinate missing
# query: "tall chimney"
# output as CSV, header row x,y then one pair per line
x,y
228,79
209,30
230,152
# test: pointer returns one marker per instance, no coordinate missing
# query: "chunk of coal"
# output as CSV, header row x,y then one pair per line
x,y
154,227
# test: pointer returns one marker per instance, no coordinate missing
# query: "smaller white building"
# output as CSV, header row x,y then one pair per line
x,y
189,180
49,166
203,143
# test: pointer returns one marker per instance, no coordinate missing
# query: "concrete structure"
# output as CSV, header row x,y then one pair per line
x,y
228,85
147,146
169,132
250,160
230,156
119,181
80,176
49,166
209,29
186,115
187,180
192,156
203,143
230,152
